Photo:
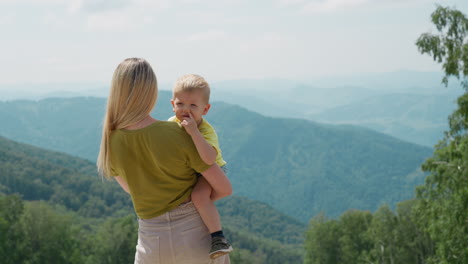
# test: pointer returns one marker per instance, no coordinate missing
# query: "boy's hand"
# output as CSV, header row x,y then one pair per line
x,y
189,124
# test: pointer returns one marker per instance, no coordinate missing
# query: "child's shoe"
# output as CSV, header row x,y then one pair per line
x,y
219,247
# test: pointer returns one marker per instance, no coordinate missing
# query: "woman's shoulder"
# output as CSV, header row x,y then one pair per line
x,y
164,132
172,134
159,126
170,130
173,127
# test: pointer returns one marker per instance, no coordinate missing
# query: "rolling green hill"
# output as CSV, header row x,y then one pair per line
x,y
297,166
60,179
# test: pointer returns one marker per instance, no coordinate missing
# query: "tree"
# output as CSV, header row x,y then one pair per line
x,y
449,46
322,241
444,196
353,241
49,237
382,232
115,240
414,244
11,235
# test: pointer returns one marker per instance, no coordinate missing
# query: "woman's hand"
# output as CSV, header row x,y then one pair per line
x,y
122,184
218,181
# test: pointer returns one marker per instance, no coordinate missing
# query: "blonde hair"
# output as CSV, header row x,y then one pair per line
x,y
132,96
192,82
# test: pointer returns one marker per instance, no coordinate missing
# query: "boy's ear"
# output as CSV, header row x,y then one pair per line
x,y
172,103
207,107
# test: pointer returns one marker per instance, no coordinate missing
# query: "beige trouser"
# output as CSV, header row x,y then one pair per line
x,y
176,237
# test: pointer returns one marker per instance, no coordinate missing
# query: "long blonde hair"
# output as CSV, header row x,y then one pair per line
x,y
132,96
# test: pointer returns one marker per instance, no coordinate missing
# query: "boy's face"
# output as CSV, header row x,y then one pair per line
x,y
192,102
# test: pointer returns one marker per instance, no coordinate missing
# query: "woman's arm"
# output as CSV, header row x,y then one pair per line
x,y
122,184
218,181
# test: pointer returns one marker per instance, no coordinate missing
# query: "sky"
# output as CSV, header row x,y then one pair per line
x,y
76,41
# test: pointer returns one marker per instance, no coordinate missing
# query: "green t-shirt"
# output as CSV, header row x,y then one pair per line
x,y
159,164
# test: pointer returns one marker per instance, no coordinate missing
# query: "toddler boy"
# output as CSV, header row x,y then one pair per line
x,y
190,102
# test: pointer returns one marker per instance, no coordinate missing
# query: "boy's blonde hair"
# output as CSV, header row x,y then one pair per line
x,y
192,82
132,96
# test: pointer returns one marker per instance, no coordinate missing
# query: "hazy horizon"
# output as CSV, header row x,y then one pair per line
x,y
82,41
397,81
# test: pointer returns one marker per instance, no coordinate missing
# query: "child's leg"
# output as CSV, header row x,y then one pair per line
x,y
201,198
206,208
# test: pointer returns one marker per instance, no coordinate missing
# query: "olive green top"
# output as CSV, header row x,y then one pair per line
x,y
159,163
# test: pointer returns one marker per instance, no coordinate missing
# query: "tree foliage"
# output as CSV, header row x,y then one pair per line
x,y
433,228
384,237
11,209
443,206
449,46
36,232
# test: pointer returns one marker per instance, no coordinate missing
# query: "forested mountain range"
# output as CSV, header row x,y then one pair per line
x,y
405,98
70,182
297,166
397,104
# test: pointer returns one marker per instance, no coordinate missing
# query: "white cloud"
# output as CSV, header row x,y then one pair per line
x,y
119,16
118,20
74,6
53,60
214,35
32,1
152,4
51,19
103,6
290,2
332,5
7,19
96,6
329,6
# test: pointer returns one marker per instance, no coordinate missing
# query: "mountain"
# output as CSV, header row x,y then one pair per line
x,y
60,179
302,167
417,118
297,166
281,98
344,99
316,99
395,81
37,91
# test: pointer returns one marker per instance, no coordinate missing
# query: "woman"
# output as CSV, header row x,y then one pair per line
x,y
156,163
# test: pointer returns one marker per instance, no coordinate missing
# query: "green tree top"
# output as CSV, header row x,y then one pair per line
x,y
450,45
